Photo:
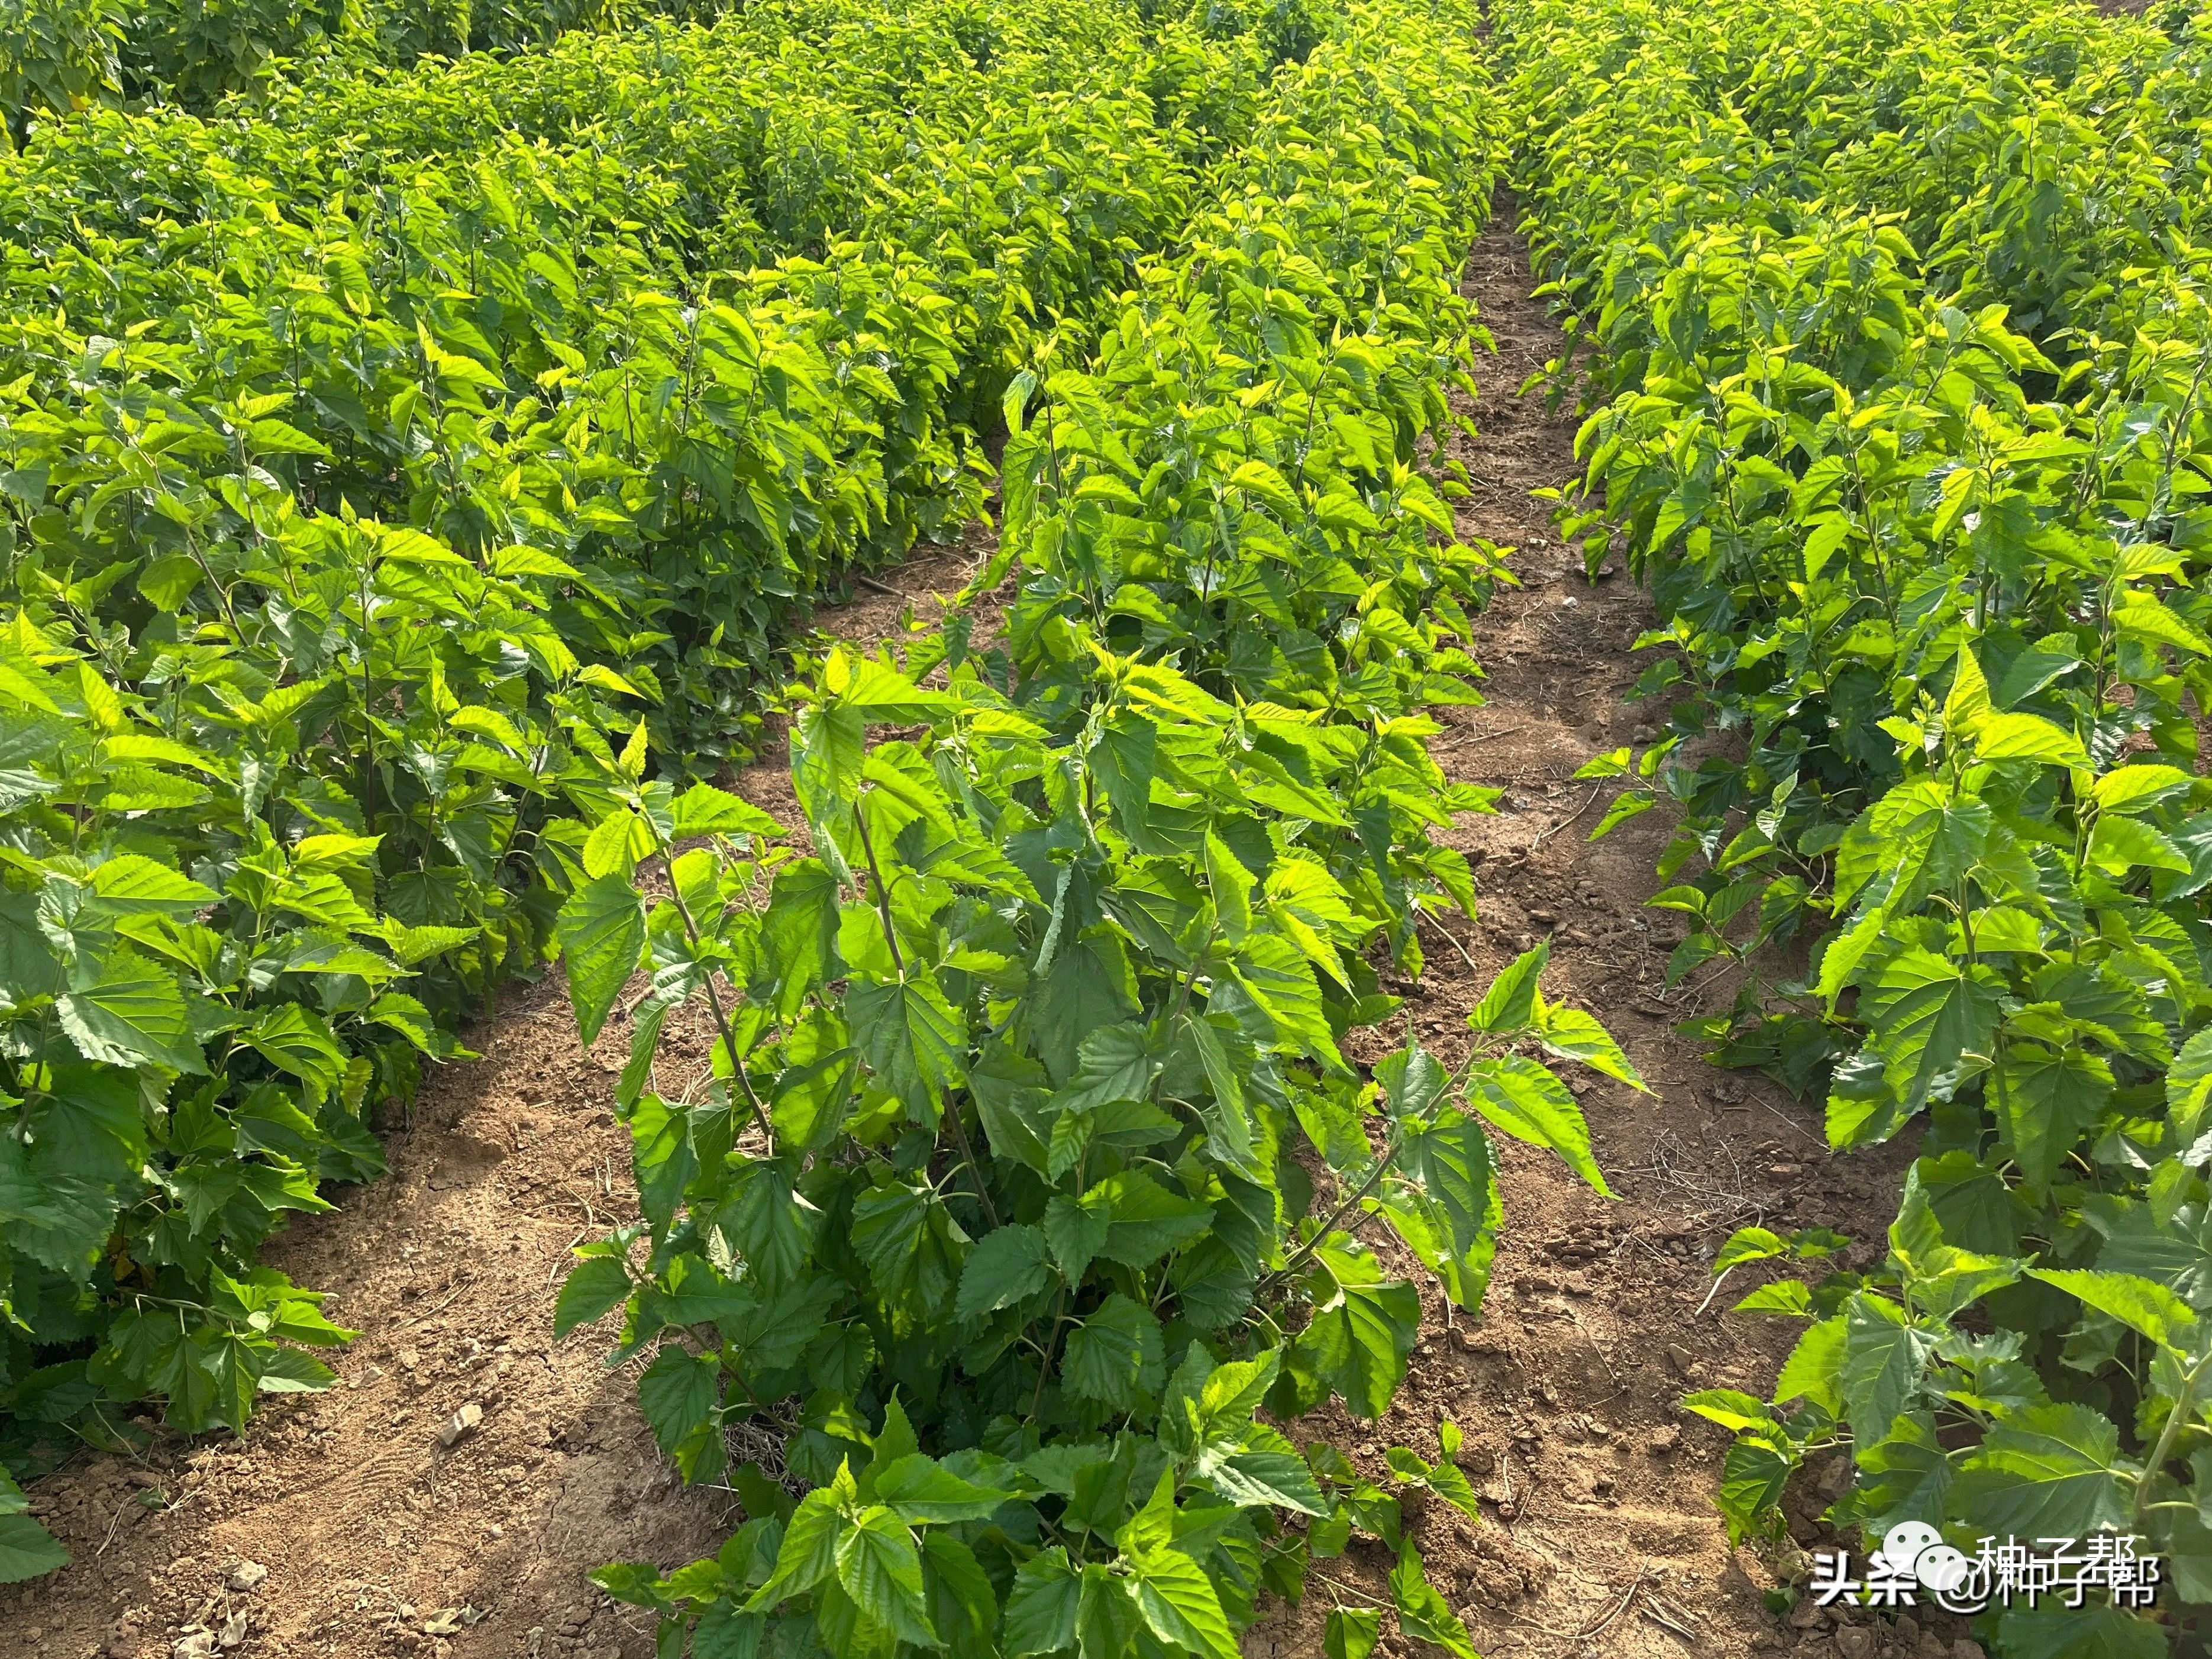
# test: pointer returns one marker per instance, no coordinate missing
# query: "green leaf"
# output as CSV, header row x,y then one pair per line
x,y
679,1394
1528,1102
878,1566
1144,1220
2139,787
1928,1012
963,1602
1076,1230
922,1491
2028,736
808,1553
2051,1471
2046,1097
291,1371
1628,804
799,928
1114,1062
1351,1632
766,1220
915,1040
2141,1304
1749,1244
1787,1297
1041,1607
912,1251
1281,980
1361,1330
131,884
1573,1035
594,1285
133,1015
28,1550
602,930
1906,1477
1885,1358
1229,883
1422,1614
90,1127
1007,1266
1088,985
1733,1409
1114,1355
296,1039
1509,1004
2189,1085
703,810
1412,1081
1178,1602
1457,1169
1753,1473
1278,1478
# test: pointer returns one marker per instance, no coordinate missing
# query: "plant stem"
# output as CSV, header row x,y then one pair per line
x,y
722,1022
952,1109
1382,1164
2184,1409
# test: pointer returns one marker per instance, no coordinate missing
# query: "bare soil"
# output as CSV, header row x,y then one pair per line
x,y
1599,1534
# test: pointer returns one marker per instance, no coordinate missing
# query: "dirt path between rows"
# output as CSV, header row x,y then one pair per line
x,y
1598,1535
341,1525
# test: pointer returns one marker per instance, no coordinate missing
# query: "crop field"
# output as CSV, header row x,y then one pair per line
x,y
1105,828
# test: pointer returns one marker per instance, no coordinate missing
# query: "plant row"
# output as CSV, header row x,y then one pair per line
x,y
1933,618
326,560
59,57
1029,1193
776,131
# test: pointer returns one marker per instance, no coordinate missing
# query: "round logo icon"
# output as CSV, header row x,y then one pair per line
x,y
1915,1550
1942,1570
1906,1542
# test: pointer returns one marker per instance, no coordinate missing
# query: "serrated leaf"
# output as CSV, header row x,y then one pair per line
x,y
1180,1605
1361,1330
2142,1305
703,810
2051,1471
1886,1355
808,1553
915,1040
592,1287
1351,1632
1144,1220
601,930
1008,1265
679,1394
1041,1609
1509,1004
879,1567
1573,1035
2028,736
922,1491
1528,1102
1749,1244
28,1550
1422,1613
133,1015
1114,1355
